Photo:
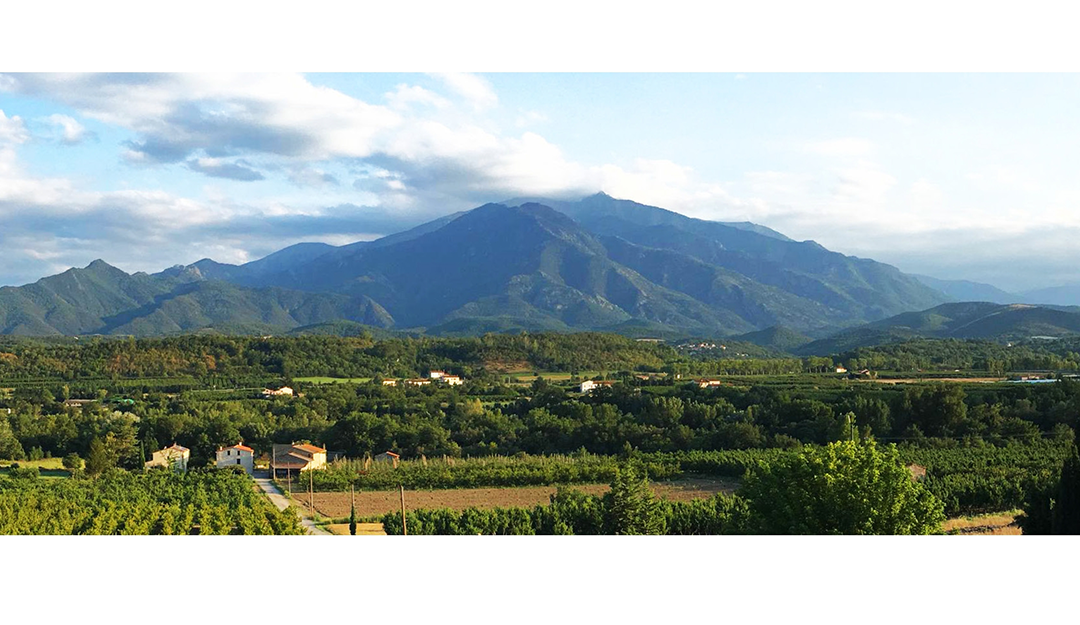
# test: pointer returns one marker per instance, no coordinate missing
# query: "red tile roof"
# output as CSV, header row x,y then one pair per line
x,y
240,446
311,448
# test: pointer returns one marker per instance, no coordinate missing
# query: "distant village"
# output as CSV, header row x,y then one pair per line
x,y
284,460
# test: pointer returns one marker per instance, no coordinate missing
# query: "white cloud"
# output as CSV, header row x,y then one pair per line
x,y
176,114
861,190
848,146
12,129
475,89
404,96
71,132
926,197
312,177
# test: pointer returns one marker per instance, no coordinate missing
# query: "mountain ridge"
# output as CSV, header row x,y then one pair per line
x,y
594,264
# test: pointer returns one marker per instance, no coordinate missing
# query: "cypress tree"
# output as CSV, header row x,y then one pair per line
x,y
1067,505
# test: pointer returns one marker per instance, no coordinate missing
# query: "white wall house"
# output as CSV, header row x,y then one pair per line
x,y
237,456
174,456
436,375
452,380
284,391
589,385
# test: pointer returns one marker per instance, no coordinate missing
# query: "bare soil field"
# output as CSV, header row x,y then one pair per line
x,y
368,503
1000,524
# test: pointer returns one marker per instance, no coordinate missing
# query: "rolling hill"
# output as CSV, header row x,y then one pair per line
x,y
964,320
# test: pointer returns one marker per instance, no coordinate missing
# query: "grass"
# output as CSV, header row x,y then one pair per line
x,y
992,524
48,468
551,376
44,464
318,379
362,529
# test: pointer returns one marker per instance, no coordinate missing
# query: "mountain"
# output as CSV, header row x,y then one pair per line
x,y
1067,295
964,320
529,263
597,263
968,291
778,338
641,213
853,287
101,299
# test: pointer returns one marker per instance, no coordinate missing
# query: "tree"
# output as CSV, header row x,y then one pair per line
x,y
630,507
72,462
352,519
1066,507
843,488
99,459
10,447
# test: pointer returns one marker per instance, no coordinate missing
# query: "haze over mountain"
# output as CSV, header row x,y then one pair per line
x,y
968,291
597,263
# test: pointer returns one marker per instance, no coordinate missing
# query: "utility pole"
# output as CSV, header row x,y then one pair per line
x,y
311,493
404,528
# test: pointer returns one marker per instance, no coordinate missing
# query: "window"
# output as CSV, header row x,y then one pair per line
x,y
237,461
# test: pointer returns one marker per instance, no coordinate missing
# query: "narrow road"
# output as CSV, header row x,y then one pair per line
x,y
280,501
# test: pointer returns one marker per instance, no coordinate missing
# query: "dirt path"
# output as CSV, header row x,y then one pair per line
x,y
280,501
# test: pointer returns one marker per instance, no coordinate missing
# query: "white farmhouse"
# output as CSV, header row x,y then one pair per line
x,y
589,385
452,380
239,455
436,375
175,457
284,391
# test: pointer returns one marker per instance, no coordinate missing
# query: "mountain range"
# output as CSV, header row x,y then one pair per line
x,y
961,320
597,263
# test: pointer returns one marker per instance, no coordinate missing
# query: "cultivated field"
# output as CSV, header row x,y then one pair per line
x,y
369,503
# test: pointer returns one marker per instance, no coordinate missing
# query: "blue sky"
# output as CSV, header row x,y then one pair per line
x,y
950,175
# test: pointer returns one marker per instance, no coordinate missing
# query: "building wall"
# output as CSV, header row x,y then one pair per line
x,y
229,457
170,458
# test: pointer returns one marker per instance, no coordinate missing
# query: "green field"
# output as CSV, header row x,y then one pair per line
x,y
551,376
318,379
51,468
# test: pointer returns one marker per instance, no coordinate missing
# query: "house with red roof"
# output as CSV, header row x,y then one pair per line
x,y
296,457
239,455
